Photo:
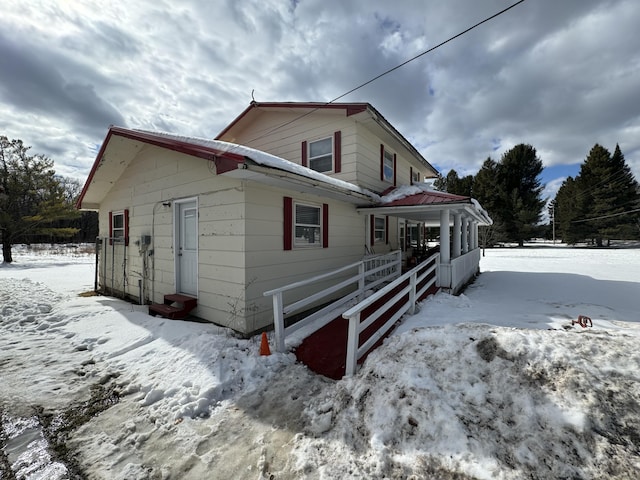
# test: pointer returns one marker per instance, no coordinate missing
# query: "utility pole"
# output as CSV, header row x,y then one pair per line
x,y
553,221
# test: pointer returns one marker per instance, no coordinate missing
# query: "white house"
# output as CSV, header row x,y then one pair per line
x,y
287,191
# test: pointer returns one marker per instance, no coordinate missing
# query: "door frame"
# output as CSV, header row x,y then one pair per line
x,y
176,241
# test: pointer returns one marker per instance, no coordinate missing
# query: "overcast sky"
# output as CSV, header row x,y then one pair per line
x,y
560,75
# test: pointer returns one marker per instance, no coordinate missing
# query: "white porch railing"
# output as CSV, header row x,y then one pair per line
x,y
399,297
365,274
464,268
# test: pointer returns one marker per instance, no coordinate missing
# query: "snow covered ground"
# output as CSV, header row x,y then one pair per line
x,y
495,383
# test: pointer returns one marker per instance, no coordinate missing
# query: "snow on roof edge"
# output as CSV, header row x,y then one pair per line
x,y
265,159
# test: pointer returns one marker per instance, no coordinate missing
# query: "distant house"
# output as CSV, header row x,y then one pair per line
x,y
285,192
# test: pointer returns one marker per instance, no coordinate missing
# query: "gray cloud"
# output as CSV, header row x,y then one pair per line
x,y
32,81
558,75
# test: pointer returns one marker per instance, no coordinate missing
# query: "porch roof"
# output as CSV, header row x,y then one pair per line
x,y
420,203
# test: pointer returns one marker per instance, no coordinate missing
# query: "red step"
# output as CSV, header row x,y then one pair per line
x,y
176,306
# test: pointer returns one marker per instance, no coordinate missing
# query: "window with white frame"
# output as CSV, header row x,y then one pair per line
x,y
118,226
307,225
321,155
380,230
387,166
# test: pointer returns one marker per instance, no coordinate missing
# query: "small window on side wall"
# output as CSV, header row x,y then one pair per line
x,y
119,227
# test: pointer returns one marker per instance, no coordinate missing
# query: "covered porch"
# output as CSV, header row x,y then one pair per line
x,y
336,338
456,220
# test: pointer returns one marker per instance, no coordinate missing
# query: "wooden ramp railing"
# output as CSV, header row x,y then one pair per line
x,y
355,278
390,303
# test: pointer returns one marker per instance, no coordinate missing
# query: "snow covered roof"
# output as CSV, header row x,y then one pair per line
x,y
419,194
239,161
228,157
264,159
421,202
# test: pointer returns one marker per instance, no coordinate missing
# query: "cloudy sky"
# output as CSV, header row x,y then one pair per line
x,y
559,75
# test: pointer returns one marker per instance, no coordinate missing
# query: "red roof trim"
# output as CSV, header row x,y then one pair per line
x,y
427,198
94,168
225,161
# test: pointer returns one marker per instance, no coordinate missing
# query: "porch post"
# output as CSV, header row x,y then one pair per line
x,y
457,235
444,268
367,233
445,256
474,235
465,235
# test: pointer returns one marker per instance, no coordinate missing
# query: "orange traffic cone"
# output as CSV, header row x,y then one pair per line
x,y
264,345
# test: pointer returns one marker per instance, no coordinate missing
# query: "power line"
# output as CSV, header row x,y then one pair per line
x,y
377,77
606,216
427,51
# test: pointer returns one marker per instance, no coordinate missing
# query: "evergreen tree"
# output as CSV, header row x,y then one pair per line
x,y
32,197
608,191
519,203
486,191
440,183
600,203
452,183
570,206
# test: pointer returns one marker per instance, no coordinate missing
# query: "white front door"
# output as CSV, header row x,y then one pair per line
x,y
187,247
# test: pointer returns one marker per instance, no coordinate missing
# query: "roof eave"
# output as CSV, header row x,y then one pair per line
x,y
224,161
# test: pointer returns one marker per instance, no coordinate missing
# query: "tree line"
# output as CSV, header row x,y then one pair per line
x,y
36,204
602,203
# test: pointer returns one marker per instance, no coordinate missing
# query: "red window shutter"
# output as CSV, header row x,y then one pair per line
x,y
304,154
381,162
395,170
372,232
386,230
288,223
325,225
126,227
410,175
110,228
337,152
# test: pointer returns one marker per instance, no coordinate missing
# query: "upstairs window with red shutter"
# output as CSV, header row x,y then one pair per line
x,y
323,155
320,155
387,165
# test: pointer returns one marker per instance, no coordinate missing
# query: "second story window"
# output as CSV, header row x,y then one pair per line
x,y
321,155
387,165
